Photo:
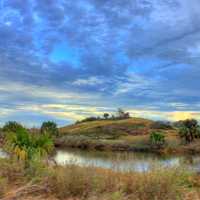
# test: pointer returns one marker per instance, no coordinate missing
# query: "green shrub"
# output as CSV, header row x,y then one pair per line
x,y
50,128
189,130
157,139
26,146
12,126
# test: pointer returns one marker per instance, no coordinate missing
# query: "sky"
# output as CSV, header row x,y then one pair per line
x,y
65,60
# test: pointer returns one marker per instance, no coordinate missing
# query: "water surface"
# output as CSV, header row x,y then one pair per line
x,y
124,161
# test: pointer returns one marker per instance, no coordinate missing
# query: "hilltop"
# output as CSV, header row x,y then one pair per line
x,y
132,126
118,134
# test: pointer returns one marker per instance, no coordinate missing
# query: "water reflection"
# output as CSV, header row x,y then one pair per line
x,y
122,161
2,154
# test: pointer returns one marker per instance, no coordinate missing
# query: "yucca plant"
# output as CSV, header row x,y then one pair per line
x,y
157,139
26,146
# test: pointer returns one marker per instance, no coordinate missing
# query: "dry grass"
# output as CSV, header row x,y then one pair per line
x,y
84,127
3,186
95,183
162,184
75,183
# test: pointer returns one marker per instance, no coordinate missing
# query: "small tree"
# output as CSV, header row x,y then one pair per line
x,y
106,115
185,133
189,130
12,126
50,128
157,139
122,114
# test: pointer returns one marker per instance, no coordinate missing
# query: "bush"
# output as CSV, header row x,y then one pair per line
x,y
106,115
121,114
50,128
189,130
26,146
12,126
157,139
89,119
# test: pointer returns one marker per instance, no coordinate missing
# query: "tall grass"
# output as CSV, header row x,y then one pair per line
x,y
3,186
162,183
92,183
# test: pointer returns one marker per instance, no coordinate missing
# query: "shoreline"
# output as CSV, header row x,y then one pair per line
x,y
179,150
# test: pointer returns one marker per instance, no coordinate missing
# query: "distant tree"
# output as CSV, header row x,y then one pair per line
x,y
189,130
106,115
127,115
157,139
50,128
89,119
112,116
12,126
122,114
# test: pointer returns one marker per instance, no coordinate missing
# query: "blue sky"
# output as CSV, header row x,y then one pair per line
x,y
65,60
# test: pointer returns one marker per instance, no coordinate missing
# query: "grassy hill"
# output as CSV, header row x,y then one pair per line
x,y
132,126
127,134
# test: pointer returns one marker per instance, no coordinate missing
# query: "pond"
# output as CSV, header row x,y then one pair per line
x,y
124,161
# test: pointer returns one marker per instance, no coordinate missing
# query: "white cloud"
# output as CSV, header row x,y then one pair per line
x,y
35,91
91,81
133,83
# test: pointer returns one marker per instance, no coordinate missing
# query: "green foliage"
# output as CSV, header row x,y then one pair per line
x,y
189,130
184,132
50,128
12,126
197,133
157,139
88,119
106,115
121,114
26,146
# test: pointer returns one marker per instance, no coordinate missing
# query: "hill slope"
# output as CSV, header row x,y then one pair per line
x,y
132,126
127,134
